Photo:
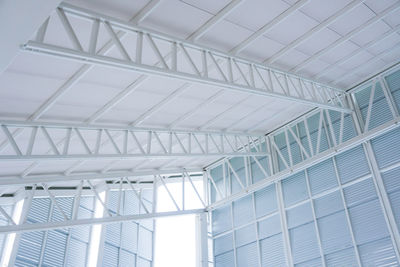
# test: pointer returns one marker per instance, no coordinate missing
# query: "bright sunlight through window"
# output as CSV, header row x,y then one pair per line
x,y
175,243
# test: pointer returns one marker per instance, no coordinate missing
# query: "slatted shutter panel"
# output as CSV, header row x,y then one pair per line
x,y
322,177
247,255
245,235
223,244
225,260
243,211
77,253
127,259
55,249
269,226
143,262
145,244
345,257
304,243
110,255
310,263
294,189
387,147
221,221
378,253
299,215
265,201
352,164
272,251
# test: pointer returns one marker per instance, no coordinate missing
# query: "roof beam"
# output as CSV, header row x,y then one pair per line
x,y
214,20
357,52
281,87
123,143
348,36
269,26
29,227
55,178
313,31
18,21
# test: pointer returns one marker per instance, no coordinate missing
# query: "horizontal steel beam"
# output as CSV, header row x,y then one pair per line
x,y
54,178
84,142
229,73
29,227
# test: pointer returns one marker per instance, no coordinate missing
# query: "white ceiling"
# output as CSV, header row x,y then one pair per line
x,y
32,78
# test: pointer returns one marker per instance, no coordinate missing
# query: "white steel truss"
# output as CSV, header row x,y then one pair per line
x,y
189,64
83,142
311,153
86,188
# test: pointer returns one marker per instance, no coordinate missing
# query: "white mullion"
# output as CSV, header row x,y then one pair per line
x,y
257,231
321,252
346,210
383,198
284,226
119,197
183,191
225,177
233,237
46,233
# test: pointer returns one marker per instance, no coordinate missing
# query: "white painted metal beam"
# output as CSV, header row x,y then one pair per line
x,y
19,19
313,31
54,178
269,26
257,81
28,227
214,20
348,36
